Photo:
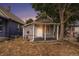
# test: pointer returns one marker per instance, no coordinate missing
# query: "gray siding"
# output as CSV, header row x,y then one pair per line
x,y
30,29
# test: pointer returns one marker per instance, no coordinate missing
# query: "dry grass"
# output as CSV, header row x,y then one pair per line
x,y
22,47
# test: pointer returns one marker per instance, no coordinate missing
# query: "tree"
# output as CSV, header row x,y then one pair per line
x,y
43,15
29,21
60,12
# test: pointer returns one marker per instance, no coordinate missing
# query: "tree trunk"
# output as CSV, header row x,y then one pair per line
x,y
61,31
61,25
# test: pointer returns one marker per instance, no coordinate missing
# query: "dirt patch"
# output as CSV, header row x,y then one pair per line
x,y
24,48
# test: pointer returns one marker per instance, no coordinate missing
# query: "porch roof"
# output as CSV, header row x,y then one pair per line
x,y
41,23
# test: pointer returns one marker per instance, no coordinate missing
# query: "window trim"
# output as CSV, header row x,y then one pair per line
x,y
18,26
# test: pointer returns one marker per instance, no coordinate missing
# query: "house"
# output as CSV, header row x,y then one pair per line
x,y
72,30
10,25
41,29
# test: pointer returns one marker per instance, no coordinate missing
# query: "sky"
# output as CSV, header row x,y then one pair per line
x,y
22,10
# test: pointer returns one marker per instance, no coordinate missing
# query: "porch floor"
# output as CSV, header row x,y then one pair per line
x,y
41,39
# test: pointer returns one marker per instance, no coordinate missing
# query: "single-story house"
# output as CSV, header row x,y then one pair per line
x,y
10,25
41,29
72,30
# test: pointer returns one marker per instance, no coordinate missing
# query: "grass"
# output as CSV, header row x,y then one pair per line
x,y
21,47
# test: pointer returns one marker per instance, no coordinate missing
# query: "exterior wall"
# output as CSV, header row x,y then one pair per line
x,y
30,30
39,29
13,29
49,30
76,29
2,32
10,28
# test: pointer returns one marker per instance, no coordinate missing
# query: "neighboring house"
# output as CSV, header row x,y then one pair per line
x,y
72,30
10,25
41,29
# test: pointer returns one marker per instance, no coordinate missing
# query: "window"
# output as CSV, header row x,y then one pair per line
x,y
27,32
1,28
1,25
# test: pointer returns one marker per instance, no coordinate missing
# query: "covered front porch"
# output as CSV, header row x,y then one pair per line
x,y
45,31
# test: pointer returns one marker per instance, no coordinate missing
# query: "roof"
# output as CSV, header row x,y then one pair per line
x,y
5,13
44,20
40,20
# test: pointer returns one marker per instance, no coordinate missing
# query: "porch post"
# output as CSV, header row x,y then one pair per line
x,y
23,34
45,33
33,32
57,32
54,30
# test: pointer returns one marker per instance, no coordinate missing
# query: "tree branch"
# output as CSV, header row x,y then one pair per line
x,y
68,5
64,8
69,15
